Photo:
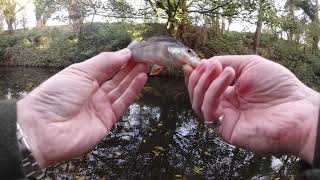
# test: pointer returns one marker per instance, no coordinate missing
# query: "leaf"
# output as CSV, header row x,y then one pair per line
x,y
156,153
197,170
178,177
159,148
117,154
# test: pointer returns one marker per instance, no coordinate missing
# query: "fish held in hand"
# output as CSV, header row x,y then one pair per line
x,y
163,52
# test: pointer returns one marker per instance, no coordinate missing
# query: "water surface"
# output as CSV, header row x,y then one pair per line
x,y
159,137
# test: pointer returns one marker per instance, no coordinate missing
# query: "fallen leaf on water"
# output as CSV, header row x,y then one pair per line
x,y
159,148
197,170
156,153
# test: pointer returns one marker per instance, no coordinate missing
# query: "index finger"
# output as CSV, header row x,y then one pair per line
x,y
237,62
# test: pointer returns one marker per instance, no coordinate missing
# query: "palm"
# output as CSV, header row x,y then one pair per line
x,y
258,107
267,109
78,107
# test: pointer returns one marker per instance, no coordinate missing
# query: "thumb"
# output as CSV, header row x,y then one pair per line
x,y
105,65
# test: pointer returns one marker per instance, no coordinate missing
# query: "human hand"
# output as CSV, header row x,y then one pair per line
x,y
267,110
71,112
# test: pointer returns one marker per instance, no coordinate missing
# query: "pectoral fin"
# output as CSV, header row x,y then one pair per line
x,y
155,70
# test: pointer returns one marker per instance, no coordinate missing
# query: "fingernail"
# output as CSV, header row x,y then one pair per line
x,y
123,51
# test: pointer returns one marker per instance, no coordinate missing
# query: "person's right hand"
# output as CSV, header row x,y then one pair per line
x,y
267,110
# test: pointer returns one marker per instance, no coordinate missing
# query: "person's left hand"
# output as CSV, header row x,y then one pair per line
x,y
71,112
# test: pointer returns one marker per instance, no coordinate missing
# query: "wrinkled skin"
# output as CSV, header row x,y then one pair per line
x,y
267,110
71,112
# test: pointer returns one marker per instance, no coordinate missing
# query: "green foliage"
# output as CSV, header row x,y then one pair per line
x,y
229,43
101,37
153,29
43,10
60,46
290,54
294,57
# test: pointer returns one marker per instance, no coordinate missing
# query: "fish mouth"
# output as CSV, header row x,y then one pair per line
x,y
194,61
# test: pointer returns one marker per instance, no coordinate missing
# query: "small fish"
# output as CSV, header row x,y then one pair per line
x,y
163,52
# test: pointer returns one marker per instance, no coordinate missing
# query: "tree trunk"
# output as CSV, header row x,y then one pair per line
x,y
315,44
10,26
1,25
44,21
171,27
229,23
75,16
290,35
223,25
182,27
39,22
257,35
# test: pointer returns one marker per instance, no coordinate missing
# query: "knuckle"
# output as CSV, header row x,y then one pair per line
x,y
74,66
104,54
72,69
256,56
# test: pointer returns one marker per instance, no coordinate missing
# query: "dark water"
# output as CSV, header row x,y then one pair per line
x,y
158,138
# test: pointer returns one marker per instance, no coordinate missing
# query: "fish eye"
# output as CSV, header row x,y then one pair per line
x,y
189,51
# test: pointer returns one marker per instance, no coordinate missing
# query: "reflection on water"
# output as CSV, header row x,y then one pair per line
x,y
158,138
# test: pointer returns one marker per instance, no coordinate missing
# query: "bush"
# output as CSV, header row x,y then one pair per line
x,y
60,46
101,37
230,43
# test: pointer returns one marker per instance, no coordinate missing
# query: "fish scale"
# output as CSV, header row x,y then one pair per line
x,y
163,51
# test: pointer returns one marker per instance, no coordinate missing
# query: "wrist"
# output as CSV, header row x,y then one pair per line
x,y
308,151
28,124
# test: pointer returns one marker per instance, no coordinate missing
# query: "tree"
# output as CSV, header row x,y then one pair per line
x,y
8,9
257,35
78,10
23,21
311,9
175,10
290,23
266,14
44,9
121,8
1,20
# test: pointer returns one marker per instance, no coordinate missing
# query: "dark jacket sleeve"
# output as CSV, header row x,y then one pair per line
x,y
10,157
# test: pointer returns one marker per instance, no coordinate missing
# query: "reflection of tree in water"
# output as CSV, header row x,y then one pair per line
x,y
17,81
158,138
